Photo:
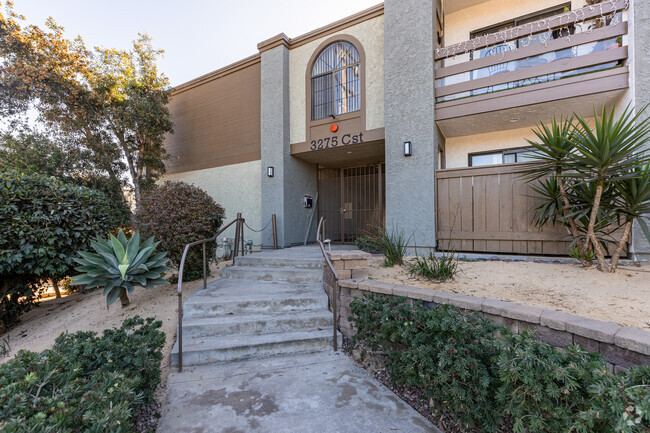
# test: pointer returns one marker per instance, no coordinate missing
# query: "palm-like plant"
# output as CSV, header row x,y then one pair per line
x,y
611,152
119,265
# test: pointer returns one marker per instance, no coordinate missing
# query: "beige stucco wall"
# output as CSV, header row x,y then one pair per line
x,y
458,148
236,187
371,36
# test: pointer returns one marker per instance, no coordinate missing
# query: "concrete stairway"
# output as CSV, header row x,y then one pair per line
x,y
266,305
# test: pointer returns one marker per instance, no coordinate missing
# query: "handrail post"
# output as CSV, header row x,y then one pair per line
x,y
243,242
204,267
237,230
275,231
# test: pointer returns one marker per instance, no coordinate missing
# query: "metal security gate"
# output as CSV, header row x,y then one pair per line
x,y
352,200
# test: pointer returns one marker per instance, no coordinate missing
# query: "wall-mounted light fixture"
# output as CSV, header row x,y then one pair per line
x,y
408,148
270,171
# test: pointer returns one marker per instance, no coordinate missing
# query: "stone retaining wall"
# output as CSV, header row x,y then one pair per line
x,y
620,346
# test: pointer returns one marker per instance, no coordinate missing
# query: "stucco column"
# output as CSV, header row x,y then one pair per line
x,y
282,194
409,116
640,31
274,124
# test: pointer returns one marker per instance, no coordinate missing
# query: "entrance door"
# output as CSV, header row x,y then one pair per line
x,y
352,200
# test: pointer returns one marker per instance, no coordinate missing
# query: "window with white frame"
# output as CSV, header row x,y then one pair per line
x,y
336,81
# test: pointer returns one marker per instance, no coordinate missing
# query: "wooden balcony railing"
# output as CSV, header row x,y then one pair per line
x,y
578,42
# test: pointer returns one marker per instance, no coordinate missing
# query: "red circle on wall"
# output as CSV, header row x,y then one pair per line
x,y
334,128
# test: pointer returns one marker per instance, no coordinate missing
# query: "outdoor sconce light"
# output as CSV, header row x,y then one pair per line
x,y
269,171
408,148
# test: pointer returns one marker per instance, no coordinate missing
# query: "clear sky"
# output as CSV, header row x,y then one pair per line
x,y
198,36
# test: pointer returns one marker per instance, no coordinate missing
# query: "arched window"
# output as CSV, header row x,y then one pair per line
x,y
335,81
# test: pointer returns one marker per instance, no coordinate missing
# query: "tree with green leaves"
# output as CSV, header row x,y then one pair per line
x,y
596,180
112,102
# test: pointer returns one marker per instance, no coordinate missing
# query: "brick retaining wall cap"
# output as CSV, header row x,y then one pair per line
x,y
594,329
467,302
413,292
354,255
634,339
377,287
352,283
557,319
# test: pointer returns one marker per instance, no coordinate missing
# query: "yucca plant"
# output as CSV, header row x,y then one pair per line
x,y
119,265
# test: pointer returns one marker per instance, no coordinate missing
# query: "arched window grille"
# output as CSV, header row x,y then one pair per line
x,y
335,81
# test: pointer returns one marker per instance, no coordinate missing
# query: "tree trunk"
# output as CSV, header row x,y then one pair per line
x,y
55,285
582,249
591,231
621,244
124,298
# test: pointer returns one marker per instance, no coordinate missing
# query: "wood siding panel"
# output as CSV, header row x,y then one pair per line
x,y
217,122
495,208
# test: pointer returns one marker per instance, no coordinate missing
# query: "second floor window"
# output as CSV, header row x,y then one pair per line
x,y
335,81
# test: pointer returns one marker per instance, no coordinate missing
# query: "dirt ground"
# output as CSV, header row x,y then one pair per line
x,y
39,327
622,297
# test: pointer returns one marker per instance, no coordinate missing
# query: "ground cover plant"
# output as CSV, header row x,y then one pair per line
x,y
43,223
178,213
594,180
492,380
84,382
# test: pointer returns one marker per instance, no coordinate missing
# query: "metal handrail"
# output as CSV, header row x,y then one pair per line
x,y
335,294
239,220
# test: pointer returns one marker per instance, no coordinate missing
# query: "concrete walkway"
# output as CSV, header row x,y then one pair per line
x,y
319,392
258,358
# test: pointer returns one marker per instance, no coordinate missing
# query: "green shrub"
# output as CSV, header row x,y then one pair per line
x,y
543,388
43,223
120,265
619,403
483,374
176,214
431,267
84,383
450,355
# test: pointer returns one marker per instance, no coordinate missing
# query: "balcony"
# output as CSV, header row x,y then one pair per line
x,y
514,78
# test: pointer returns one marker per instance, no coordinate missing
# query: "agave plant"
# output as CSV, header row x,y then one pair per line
x,y
119,265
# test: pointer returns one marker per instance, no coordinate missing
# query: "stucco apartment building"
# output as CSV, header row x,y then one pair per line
x,y
412,114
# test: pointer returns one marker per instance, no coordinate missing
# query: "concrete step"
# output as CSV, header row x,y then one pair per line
x,y
279,262
200,327
269,303
235,348
254,273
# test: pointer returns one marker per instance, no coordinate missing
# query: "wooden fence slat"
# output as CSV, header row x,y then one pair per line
x,y
479,211
466,212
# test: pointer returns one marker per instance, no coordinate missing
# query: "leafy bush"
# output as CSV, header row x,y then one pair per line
x,y
120,265
43,223
484,375
543,388
177,213
85,382
440,268
450,355
619,403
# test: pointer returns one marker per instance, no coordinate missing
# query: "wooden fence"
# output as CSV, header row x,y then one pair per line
x,y
491,209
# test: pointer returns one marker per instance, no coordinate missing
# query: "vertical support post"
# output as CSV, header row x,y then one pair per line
x,y
180,328
205,271
335,307
274,223
237,232
243,242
